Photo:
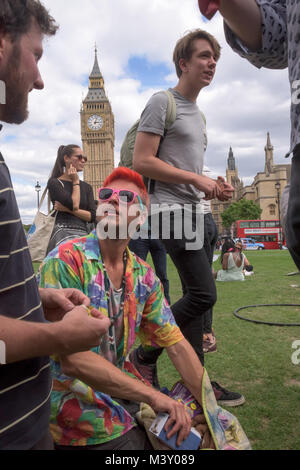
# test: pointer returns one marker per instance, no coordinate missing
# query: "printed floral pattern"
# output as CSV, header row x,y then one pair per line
x,y
225,428
81,416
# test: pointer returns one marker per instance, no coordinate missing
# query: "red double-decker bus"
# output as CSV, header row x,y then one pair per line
x,y
268,232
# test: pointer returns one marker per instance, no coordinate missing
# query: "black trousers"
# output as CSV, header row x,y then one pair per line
x,y
141,247
210,240
199,294
293,217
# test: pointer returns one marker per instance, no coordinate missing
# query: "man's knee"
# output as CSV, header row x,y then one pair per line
x,y
204,299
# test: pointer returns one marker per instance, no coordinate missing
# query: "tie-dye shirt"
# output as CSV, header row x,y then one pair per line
x,y
82,416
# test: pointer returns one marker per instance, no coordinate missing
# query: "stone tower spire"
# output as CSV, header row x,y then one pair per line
x,y
96,73
96,80
232,175
269,162
97,130
231,161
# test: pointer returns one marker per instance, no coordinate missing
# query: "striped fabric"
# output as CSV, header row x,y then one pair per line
x,y
25,387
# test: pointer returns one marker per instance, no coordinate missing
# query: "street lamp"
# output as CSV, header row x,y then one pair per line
x,y
38,189
278,187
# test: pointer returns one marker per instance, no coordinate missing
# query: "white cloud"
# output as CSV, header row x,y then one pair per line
x,y
241,106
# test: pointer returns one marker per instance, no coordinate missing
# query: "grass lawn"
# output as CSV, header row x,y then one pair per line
x,y
252,359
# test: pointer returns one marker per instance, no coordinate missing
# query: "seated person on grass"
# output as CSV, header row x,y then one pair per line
x,y
89,387
234,262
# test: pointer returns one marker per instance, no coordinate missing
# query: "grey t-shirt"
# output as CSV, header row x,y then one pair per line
x,y
183,147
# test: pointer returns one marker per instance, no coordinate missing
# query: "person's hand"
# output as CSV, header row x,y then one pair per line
x,y
79,328
72,172
82,329
207,185
226,189
209,7
60,207
57,302
179,419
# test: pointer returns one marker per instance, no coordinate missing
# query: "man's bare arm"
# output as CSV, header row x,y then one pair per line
x,y
101,375
76,332
81,214
244,18
147,164
188,365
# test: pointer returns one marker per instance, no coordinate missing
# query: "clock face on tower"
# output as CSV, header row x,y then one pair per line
x,y
95,122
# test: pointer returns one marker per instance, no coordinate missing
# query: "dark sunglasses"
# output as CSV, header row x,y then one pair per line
x,y
81,157
124,195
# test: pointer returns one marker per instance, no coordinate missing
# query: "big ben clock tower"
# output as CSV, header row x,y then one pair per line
x,y
97,131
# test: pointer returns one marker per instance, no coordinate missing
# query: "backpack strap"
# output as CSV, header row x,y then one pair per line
x,y
171,110
170,119
205,132
204,118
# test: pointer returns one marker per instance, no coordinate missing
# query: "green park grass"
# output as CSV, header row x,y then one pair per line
x,y
255,360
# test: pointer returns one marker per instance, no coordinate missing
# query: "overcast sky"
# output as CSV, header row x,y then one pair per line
x,y
135,40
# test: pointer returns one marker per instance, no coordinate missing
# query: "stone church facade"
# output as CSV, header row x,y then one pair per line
x,y
265,190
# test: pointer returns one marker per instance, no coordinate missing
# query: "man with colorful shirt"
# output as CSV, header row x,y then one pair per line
x,y
124,288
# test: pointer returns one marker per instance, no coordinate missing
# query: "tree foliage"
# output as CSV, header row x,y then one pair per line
x,y
241,210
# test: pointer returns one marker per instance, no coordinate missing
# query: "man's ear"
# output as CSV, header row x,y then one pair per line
x,y
143,216
183,65
3,45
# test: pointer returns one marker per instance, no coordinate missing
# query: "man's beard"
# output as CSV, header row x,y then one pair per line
x,y
15,111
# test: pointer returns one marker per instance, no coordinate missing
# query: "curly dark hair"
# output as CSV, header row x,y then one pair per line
x,y
16,18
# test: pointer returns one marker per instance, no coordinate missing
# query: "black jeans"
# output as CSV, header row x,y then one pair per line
x,y
293,217
141,247
199,294
210,240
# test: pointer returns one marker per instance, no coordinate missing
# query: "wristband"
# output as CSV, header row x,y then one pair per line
x,y
77,184
208,8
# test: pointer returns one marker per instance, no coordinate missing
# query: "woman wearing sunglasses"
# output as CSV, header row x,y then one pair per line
x,y
72,199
